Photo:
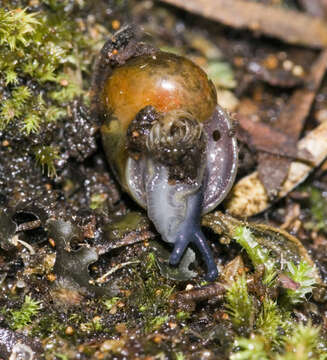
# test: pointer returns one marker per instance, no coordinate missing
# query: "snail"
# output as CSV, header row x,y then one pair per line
x,y
168,142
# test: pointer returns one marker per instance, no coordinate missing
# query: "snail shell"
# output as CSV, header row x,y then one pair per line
x,y
168,143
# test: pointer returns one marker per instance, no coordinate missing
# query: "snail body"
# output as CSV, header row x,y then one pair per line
x,y
168,143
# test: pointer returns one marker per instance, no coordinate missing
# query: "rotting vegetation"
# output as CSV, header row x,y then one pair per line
x,y
81,272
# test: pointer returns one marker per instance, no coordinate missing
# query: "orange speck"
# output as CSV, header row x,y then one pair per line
x,y
63,82
51,277
69,330
115,24
52,242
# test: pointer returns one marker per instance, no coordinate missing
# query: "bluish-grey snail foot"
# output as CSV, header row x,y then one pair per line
x,y
175,210
195,236
179,248
200,242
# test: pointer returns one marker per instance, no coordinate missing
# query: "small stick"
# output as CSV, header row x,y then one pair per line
x,y
30,225
14,240
102,279
200,294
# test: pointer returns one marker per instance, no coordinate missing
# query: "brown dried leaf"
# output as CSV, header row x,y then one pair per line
x,y
248,197
263,137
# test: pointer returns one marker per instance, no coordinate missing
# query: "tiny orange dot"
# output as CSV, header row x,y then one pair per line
x,y
52,242
69,330
64,82
115,24
157,339
51,277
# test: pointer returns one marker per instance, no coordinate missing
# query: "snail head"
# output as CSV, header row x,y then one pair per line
x,y
175,139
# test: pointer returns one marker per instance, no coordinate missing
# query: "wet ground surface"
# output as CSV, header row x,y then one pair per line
x,y
83,272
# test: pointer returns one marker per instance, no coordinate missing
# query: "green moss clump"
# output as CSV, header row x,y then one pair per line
x,y
250,349
318,207
151,295
23,316
277,336
110,303
304,343
257,254
239,304
302,275
45,157
272,324
41,59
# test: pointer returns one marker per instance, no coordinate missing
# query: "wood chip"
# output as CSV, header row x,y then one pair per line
x,y
288,25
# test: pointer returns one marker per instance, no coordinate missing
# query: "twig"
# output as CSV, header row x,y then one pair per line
x,y
30,225
14,240
288,25
130,238
102,279
200,294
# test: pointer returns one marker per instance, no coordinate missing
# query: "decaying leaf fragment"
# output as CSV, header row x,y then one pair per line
x,y
263,137
272,169
248,197
278,245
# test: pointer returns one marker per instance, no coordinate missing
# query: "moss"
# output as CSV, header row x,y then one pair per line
x,y
318,211
273,333
48,325
22,317
302,275
304,344
272,324
37,49
179,356
239,304
44,57
183,315
151,294
155,323
257,254
250,349
45,157
110,303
